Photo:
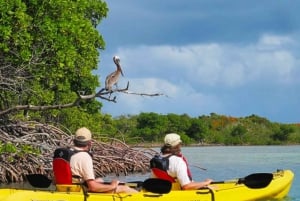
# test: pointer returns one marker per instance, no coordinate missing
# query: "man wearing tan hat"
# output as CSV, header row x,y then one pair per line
x,y
82,165
178,167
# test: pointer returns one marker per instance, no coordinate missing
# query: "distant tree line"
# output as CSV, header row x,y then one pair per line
x,y
203,130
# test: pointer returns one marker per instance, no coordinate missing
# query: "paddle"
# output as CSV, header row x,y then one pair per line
x,y
153,185
199,167
156,185
42,181
38,180
256,180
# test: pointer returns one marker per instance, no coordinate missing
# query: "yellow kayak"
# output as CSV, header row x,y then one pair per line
x,y
258,186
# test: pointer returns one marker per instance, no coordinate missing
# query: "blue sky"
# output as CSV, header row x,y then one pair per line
x,y
230,57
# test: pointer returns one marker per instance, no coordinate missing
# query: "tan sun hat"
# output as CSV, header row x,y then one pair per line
x,y
172,139
83,135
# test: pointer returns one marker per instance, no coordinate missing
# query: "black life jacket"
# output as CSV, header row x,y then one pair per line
x,y
159,166
160,162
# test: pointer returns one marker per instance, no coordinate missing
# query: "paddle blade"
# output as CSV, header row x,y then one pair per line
x,y
156,185
257,180
38,180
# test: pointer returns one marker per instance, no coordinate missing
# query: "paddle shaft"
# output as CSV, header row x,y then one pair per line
x,y
42,181
130,184
197,166
225,182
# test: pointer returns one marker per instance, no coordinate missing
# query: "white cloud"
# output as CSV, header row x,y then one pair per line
x,y
274,41
213,64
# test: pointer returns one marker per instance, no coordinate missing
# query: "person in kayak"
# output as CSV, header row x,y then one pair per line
x,y
178,168
82,165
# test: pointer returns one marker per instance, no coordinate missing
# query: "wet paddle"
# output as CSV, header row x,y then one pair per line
x,y
256,180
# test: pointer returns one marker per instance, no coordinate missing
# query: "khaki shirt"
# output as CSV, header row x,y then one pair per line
x,y
82,165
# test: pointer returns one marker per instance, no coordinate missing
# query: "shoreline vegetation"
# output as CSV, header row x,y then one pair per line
x,y
205,130
157,145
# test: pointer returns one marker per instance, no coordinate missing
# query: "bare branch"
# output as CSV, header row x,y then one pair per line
x,y
100,94
143,94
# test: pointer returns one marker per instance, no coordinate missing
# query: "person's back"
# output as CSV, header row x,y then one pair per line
x,y
178,169
82,166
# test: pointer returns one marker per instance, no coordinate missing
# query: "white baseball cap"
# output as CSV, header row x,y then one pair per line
x,y
172,139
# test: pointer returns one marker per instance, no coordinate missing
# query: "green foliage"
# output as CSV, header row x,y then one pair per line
x,y
177,123
74,118
237,134
49,49
28,149
19,150
151,126
281,133
213,129
8,148
294,136
198,129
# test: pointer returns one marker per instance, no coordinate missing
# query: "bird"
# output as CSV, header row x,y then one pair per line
x,y
113,78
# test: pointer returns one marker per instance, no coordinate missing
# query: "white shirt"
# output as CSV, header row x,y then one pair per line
x,y
178,169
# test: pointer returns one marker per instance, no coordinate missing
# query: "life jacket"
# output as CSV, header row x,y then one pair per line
x,y
187,165
159,166
160,162
61,165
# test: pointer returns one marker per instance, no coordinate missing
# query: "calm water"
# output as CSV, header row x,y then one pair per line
x,y
223,163
230,162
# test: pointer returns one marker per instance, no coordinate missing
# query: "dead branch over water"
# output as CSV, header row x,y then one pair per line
x,y
109,157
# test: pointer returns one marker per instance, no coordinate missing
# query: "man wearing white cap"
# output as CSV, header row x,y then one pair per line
x,y
178,167
173,139
82,165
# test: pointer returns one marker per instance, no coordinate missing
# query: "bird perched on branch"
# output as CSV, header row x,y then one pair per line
x,y
112,79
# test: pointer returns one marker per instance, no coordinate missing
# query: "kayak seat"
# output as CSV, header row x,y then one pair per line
x,y
161,174
63,176
61,166
64,180
62,171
